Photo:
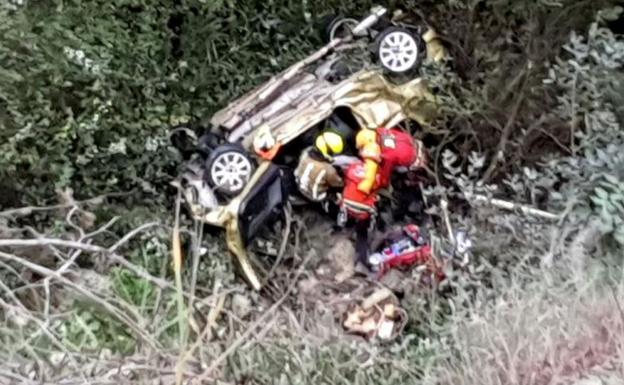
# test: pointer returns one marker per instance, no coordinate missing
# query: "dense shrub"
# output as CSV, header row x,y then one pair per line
x,y
88,91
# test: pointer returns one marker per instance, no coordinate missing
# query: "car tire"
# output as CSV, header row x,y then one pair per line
x,y
336,26
228,169
399,50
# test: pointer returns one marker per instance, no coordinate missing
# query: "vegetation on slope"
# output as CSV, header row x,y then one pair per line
x,y
531,111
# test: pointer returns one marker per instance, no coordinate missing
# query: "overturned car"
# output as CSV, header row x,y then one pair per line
x,y
244,175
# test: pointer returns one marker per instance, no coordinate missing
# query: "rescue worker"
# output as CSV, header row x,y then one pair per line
x,y
385,150
382,151
315,174
335,141
370,152
359,206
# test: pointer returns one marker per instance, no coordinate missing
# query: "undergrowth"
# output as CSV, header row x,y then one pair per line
x,y
93,300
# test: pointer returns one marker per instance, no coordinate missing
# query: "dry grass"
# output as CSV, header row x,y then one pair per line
x,y
533,325
555,326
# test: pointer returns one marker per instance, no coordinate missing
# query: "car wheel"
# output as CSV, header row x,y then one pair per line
x,y
336,26
228,169
399,50
340,27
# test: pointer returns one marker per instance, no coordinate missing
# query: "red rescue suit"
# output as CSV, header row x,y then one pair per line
x,y
358,205
390,148
398,149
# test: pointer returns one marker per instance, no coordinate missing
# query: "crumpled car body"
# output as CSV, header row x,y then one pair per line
x,y
372,99
265,121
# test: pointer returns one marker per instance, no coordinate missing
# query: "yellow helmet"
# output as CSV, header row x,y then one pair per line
x,y
329,144
365,136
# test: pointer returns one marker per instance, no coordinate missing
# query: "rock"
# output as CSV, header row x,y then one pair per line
x,y
97,283
307,286
343,276
17,317
324,270
56,358
361,269
341,257
394,280
90,280
86,219
241,305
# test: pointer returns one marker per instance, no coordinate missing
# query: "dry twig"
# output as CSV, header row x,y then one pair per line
x,y
139,271
121,316
28,210
251,329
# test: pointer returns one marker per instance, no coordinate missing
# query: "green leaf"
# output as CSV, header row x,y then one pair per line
x,y
618,235
11,75
602,193
611,179
597,200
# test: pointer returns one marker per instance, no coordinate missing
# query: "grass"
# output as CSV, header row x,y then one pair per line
x,y
549,330
548,323
545,311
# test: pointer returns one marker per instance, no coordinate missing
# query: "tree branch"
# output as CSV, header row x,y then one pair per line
x,y
260,321
24,211
110,308
139,271
500,148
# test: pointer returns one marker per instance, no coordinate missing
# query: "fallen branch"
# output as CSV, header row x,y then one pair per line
x,y
211,320
506,205
196,241
139,271
176,255
447,220
499,152
131,235
23,211
110,308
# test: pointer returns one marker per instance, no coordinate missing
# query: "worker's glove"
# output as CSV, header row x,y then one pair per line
x,y
344,161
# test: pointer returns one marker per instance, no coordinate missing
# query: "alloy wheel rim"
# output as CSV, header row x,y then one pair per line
x,y
398,51
231,171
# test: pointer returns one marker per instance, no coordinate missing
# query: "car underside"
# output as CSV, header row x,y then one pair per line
x,y
243,175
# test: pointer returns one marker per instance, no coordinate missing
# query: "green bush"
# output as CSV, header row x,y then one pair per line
x,y
89,90
84,98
